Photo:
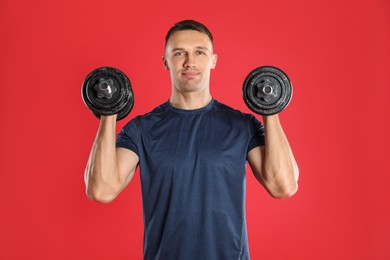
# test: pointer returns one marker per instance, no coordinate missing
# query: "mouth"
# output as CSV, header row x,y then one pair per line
x,y
190,74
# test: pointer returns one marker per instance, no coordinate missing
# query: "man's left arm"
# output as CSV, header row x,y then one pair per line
x,y
273,164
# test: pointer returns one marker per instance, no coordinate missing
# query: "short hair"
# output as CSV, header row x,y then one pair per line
x,y
188,25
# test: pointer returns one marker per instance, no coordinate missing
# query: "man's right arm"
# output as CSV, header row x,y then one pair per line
x,y
109,169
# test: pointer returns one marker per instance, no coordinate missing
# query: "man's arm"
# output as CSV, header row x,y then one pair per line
x,y
109,169
274,165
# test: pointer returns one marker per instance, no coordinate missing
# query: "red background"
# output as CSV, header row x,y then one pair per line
x,y
337,54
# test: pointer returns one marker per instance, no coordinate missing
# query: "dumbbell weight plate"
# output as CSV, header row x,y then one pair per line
x,y
267,90
107,91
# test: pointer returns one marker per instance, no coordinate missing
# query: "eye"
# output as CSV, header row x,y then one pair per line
x,y
179,53
200,53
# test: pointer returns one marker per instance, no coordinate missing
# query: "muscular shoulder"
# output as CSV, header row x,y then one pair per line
x,y
236,117
231,112
156,112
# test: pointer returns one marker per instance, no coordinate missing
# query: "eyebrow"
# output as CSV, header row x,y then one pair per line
x,y
197,47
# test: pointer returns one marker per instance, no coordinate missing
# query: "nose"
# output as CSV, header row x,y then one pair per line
x,y
189,61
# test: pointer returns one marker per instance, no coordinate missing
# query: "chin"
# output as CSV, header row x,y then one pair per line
x,y
189,86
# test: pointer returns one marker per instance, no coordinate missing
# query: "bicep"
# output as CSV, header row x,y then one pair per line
x,y
255,159
127,162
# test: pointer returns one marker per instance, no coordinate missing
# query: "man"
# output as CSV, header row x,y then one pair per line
x,y
192,152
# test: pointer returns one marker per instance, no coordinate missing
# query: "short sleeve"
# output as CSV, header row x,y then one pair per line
x,y
256,132
129,135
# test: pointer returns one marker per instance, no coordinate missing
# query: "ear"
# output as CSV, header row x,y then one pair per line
x,y
215,59
164,60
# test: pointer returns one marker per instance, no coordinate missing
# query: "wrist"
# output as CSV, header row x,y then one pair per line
x,y
270,118
108,118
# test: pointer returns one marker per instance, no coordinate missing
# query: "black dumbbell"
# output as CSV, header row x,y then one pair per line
x,y
267,90
107,91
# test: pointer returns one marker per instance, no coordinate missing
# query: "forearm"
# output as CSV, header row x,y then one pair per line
x,y
102,177
280,170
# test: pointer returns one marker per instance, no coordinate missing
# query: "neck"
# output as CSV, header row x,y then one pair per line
x,y
190,100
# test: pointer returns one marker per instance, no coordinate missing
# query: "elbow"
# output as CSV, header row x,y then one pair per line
x,y
283,187
289,188
99,196
103,200
285,192
100,190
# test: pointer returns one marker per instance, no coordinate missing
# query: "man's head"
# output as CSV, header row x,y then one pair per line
x,y
188,25
189,56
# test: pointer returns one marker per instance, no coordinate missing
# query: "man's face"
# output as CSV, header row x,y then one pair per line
x,y
189,57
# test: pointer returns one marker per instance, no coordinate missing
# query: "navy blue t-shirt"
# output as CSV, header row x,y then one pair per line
x,y
192,166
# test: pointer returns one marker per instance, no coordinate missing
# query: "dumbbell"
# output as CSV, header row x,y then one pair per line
x,y
107,91
267,90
